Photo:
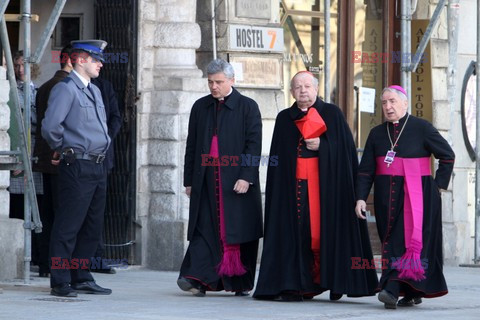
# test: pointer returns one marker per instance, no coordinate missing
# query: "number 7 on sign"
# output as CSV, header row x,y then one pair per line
x,y
272,33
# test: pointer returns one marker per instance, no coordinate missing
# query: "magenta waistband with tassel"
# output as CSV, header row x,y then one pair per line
x,y
409,265
231,264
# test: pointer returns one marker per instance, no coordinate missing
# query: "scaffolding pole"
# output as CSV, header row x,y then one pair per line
x,y
27,90
427,35
326,68
3,7
406,75
214,33
47,33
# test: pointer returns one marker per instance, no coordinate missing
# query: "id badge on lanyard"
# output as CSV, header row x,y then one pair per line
x,y
389,157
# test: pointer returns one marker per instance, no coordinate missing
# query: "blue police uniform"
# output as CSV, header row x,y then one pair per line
x,y
75,125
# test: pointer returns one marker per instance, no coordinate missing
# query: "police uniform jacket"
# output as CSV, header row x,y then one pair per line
x,y
76,118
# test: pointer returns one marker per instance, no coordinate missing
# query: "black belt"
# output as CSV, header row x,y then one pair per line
x,y
98,158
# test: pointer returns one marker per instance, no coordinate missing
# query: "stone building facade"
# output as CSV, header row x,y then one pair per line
x,y
173,51
11,231
174,44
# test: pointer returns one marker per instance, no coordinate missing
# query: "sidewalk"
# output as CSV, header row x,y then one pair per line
x,y
140,293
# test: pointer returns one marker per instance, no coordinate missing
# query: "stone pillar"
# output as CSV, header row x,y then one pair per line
x,y
169,82
11,230
457,243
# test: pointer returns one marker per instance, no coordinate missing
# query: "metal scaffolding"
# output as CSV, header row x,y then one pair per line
x,y
24,120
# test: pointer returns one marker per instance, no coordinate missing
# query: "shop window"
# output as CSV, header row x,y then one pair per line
x,y
303,23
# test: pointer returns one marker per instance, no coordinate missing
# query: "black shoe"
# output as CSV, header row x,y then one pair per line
x,y
196,288
90,287
288,297
108,270
242,294
335,296
388,299
409,302
63,290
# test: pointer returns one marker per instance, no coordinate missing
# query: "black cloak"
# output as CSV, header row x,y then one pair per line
x,y
239,127
286,262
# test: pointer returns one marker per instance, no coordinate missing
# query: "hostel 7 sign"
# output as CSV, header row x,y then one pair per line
x,y
258,39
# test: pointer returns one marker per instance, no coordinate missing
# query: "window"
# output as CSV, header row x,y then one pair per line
x,y
69,27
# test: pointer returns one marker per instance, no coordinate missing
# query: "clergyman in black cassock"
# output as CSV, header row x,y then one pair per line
x,y
407,200
304,256
221,178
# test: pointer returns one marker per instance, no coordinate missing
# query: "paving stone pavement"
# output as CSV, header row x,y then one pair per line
x,y
140,293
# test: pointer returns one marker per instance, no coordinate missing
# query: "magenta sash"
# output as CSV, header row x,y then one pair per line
x,y
231,264
412,169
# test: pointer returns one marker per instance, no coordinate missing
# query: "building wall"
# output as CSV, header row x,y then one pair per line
x,y
446,88
161,203
11,230
460,229
168,82
174,48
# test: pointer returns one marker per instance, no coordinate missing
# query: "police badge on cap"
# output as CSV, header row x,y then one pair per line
x,y
92,47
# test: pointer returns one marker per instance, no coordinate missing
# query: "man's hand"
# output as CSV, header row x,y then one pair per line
x,y
188,191
16,172
55,158
241,186
360,209
313,143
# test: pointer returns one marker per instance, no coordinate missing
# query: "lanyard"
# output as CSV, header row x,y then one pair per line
x,y
401,131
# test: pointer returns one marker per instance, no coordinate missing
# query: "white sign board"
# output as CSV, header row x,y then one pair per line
x,y
367,100
257,71
253,38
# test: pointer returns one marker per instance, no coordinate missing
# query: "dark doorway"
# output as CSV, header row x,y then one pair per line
x,y
116,23
13,27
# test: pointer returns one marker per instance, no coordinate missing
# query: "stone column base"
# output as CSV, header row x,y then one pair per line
x,y
11,248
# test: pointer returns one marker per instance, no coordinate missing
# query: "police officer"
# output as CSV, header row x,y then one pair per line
x,y
75,127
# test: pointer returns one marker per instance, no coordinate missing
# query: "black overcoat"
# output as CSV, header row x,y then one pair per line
x,y
342,237
239,137
114,118
419,139
42,150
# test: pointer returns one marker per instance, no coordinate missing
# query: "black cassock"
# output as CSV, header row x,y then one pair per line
x,y
239,127
418,140
287,259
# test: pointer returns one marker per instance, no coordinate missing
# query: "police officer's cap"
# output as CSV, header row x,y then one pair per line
x,y
93,47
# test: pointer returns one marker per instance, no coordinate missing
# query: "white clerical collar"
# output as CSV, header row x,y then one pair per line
x,y
398,121
221,99
84,81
